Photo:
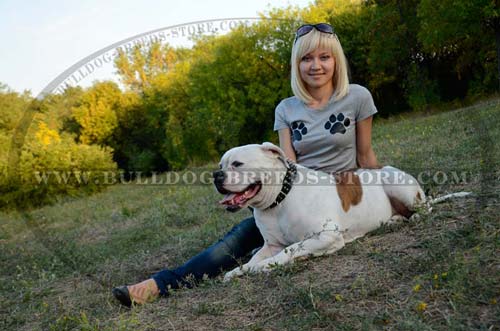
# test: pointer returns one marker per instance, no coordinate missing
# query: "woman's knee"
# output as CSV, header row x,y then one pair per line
x,y
244,235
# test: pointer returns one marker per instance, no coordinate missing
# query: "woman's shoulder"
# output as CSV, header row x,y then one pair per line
x,y
358,94
357,90
290,102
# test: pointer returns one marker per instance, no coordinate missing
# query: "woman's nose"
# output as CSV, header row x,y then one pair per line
x,y
315,64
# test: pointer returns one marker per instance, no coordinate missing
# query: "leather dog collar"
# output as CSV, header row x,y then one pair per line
x,y
290,175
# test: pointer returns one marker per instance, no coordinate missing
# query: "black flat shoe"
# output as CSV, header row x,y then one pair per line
x,y
122,295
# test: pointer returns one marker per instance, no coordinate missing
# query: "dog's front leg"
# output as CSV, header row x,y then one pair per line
x,y
263,253
324,243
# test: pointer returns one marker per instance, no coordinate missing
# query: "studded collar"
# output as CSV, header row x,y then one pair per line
x,y
290,175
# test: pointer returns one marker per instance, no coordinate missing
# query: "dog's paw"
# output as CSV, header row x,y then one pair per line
x,y
337,124
236,272
269,267
396,219
415,217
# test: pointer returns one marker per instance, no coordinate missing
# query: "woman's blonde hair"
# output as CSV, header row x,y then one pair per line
x,y
308,43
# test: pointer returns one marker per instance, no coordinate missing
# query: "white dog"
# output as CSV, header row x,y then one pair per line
x,y
301,212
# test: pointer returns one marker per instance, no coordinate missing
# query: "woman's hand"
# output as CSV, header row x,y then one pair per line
x,y
364,153
285,138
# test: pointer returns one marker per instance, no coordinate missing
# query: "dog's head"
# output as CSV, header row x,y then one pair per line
x,y
246,174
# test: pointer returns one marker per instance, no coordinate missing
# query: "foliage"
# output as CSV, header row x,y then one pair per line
x,y
96,113
12,105
461,36
51,164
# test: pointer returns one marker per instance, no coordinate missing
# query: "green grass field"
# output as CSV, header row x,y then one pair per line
x,y
441,272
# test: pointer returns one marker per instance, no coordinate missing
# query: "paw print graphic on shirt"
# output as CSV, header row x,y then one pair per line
x,y
299,129
337,124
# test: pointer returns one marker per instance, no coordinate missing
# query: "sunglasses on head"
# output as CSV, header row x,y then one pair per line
x,y
306,28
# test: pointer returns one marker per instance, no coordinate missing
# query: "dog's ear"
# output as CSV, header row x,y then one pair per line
x,y
269,147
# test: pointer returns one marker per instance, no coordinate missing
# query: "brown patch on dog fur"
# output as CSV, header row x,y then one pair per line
x,y
400,208
349,189
419,197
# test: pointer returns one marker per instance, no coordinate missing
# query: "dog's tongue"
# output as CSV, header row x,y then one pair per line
x,y
228,198
233,199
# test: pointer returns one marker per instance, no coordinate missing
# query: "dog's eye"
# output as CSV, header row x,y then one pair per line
x,y
236,164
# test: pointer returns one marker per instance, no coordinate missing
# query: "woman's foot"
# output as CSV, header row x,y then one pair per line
x,y
140,293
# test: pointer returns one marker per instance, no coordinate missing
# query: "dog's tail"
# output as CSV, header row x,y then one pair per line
x,y
429,201
448,197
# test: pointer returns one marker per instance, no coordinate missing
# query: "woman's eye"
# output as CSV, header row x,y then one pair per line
x,y
325,57
306,58
236,164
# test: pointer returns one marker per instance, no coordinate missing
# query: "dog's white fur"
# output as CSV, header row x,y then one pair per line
x,y
311,220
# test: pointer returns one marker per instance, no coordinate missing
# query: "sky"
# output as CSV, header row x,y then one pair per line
x,y
41,39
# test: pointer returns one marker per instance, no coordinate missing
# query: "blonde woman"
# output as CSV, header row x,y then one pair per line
x,y
325,126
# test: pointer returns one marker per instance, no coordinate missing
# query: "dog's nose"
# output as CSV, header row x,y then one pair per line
x,y
218,176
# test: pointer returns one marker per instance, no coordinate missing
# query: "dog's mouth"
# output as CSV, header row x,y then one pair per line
x,y
237,200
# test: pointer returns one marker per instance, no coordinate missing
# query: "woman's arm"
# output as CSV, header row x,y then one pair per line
x,y
286,143
364,153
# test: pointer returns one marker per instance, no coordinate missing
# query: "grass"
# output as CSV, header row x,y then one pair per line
x,y
441,272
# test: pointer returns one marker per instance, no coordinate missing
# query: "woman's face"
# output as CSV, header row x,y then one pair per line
x,y
317,68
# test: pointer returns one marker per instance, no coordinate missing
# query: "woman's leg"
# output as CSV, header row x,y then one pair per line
x,y
224,254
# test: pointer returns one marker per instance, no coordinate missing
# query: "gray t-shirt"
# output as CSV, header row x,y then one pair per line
x,y
325,139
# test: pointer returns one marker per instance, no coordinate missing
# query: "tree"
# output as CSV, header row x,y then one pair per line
x,y
139,67
463,32
242,79
96,113
12,106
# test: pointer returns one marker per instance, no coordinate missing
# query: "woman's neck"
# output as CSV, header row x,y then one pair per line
x,y
321,96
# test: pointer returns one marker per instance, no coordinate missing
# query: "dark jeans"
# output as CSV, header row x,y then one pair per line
x,y
223,255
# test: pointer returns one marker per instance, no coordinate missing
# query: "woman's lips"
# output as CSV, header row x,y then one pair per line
x,y
316,76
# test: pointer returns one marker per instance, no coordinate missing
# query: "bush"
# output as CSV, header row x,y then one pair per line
x,y
51,166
